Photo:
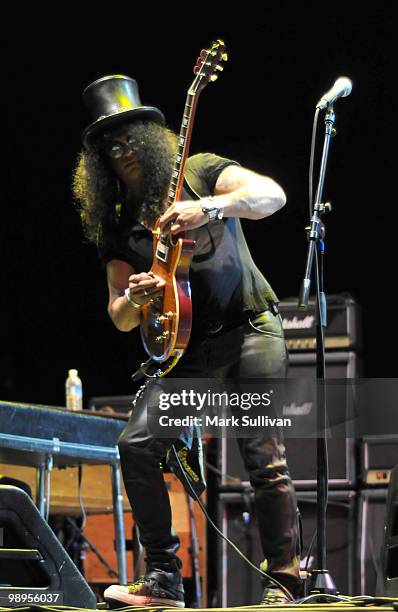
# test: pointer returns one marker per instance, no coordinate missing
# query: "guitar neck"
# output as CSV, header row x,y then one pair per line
x,y
184,139
207,65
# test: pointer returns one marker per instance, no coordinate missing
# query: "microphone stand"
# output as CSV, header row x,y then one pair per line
x,y
320,580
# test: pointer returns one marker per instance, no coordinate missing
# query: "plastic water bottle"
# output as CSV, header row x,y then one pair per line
x,y
74,391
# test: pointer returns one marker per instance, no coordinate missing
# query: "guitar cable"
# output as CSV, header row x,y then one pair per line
x,y
304,555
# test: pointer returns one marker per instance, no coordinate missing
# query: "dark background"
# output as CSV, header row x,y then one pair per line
x,y
282,57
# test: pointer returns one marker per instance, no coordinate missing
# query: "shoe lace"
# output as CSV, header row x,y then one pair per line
x,y
273,596
137,584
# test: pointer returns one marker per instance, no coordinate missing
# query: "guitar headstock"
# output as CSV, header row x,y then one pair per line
x,y
207,65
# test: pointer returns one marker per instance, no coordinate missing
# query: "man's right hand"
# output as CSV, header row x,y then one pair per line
x,y
145,287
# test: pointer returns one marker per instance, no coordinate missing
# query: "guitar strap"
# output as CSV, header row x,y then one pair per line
x,y
153,369
191,191
185,460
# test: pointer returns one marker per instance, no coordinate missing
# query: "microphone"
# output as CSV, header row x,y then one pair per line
x,y
341,89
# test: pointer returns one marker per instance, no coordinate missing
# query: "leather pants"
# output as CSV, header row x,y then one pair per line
x,y
254,349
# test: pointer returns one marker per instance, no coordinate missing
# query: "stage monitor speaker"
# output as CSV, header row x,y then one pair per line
x,y
239,584
301,453
31,556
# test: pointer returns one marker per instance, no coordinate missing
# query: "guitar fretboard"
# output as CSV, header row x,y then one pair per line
x,y
183,141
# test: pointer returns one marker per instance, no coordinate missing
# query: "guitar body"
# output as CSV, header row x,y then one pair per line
x,y
166,321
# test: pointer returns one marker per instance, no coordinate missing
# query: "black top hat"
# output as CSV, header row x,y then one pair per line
x,y
113,99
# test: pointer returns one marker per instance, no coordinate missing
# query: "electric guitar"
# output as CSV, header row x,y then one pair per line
x,y
166,321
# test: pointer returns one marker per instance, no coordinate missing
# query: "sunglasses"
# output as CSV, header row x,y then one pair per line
x,y
115,149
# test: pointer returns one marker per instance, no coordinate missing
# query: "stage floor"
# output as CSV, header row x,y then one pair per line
x,y
359,604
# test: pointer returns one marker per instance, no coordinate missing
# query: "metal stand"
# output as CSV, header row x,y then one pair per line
x,y
40,490
138,554
320,579
43,505
86,543
247,534
43,487
194,552
119,523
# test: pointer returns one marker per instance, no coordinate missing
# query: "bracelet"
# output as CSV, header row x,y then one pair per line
x,y
130,301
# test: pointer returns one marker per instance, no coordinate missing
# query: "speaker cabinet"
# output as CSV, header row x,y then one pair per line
x,y
32,557
301,458
371,520
341,536
388,583
239,584
339,364
342,464
301,453
379,454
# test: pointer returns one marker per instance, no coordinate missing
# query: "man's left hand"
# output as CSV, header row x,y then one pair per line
x,y
183,216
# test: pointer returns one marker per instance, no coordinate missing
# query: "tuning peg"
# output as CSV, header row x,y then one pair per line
x,y
224,57
219,67
214,77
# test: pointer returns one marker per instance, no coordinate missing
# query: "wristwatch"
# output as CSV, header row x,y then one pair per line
x,y
214,212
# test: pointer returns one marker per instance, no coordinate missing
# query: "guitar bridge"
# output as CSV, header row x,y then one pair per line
x,y
167,316
163,336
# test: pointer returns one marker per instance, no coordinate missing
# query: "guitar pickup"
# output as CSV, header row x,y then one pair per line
x,y
162,252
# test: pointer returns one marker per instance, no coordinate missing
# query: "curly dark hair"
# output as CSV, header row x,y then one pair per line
x,y
98,192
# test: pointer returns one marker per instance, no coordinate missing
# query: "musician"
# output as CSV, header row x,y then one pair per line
x,y
120,181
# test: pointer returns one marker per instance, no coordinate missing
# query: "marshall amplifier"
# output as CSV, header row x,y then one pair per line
x,y
301,453
378,455
302,460
343,324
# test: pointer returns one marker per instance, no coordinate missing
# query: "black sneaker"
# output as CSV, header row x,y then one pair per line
x,y
290,589
157,587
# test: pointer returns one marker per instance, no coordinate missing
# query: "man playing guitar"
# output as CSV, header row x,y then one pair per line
x,y
121,181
